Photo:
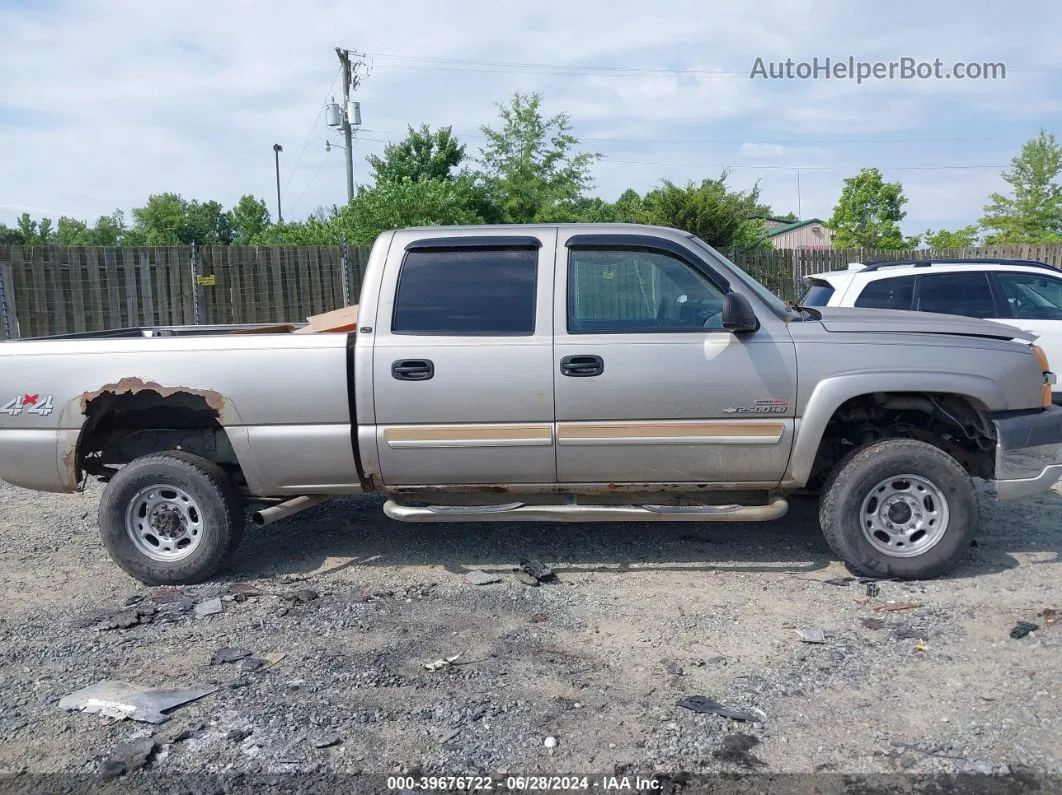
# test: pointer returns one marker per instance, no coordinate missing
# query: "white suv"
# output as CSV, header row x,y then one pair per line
x,y
1022,293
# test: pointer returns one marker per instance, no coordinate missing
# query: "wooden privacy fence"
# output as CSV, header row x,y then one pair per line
x,y
47,290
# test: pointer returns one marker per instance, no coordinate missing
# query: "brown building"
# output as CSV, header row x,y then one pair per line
x,y
810,235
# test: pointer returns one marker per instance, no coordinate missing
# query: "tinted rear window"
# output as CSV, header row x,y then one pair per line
x,y
896,293
956,294
818,294
467,292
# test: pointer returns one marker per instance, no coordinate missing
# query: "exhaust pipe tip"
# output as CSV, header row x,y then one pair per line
x,y
283,510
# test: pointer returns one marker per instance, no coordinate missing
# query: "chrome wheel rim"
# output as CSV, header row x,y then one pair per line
x,y
904,516
164,523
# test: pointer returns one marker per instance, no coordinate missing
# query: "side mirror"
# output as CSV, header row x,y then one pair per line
x,y
738,314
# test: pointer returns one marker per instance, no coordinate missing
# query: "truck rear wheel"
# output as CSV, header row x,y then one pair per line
x,y
899,508
171,518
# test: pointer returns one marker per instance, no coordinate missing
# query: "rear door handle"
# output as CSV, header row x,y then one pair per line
x,y
413,369
582,366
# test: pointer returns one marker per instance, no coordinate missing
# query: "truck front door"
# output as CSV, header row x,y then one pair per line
x,y
650,387
463,360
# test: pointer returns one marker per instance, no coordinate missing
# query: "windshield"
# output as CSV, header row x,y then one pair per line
x,y
776,304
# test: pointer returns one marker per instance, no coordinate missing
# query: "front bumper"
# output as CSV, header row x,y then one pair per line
x,y
1028,453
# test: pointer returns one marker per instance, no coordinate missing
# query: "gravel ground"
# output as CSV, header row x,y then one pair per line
x,y
636,618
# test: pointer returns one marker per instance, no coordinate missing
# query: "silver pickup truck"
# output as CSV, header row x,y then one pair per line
x,y
551,373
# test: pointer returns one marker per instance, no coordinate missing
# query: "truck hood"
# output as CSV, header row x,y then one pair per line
x,y
898,321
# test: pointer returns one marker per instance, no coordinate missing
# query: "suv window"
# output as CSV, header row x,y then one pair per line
x,y
956,294
895,293
467,292
638,290
819,293
1032,297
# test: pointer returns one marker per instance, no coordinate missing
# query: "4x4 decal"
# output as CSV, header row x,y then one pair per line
x,y
31,404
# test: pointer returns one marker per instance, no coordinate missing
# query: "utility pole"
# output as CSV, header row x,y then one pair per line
x,y
350,83
800,214
277,149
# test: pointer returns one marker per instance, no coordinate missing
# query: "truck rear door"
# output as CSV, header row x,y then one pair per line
x,y
463,359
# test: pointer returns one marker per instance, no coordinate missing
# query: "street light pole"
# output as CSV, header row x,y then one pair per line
x,y
277,149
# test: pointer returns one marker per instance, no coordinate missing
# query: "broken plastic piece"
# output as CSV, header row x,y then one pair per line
x,y
441,663
892,607
812,635
1023,628
229,654
477,577
705,705
124,700
208,607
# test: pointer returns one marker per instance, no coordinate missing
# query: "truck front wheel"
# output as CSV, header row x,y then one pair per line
x,y
899,508
171,518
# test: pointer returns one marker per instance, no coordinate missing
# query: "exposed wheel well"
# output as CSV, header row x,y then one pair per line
x,y
953,423
123,426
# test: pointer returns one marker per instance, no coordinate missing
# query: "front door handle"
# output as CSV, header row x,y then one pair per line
x,y
582,366
413,369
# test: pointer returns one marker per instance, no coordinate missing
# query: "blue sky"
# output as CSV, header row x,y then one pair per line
x,y
103,102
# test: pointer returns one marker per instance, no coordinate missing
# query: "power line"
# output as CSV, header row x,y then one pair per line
x,y
464,64
313,127
817,141
794,168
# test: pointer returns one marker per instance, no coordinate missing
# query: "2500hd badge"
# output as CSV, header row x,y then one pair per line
x,y
772,406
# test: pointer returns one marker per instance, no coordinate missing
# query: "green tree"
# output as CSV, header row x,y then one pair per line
x,y
530,165
248,219
421,155
944,238
167,219
72,232
110,230
868,213
400,204
1032,213
10,236
721,217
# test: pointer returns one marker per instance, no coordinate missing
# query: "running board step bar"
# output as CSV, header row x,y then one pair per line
x,y
573,512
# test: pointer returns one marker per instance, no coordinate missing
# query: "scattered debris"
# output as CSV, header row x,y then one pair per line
x,y
252,664
550,742
241,591
873,589
208,607
921,646
874,623
239,735
1049,616
229,654
812,635
306,595
477,577
532,572
538,618
124,700
1023,628
892,607
441,663
735,749
703,704
186,734
328,740
273,658
843,582
127,757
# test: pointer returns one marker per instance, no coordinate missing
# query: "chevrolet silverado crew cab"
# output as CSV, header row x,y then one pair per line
x,y
548,373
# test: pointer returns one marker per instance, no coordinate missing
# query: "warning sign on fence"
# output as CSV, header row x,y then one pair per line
x,y
206,281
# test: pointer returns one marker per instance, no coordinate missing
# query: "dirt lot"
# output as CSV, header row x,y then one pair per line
x,y
637,618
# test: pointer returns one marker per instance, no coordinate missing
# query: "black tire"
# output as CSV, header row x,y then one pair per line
x,y
856,477
215,495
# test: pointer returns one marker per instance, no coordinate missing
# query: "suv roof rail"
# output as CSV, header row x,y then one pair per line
x,y
925,263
